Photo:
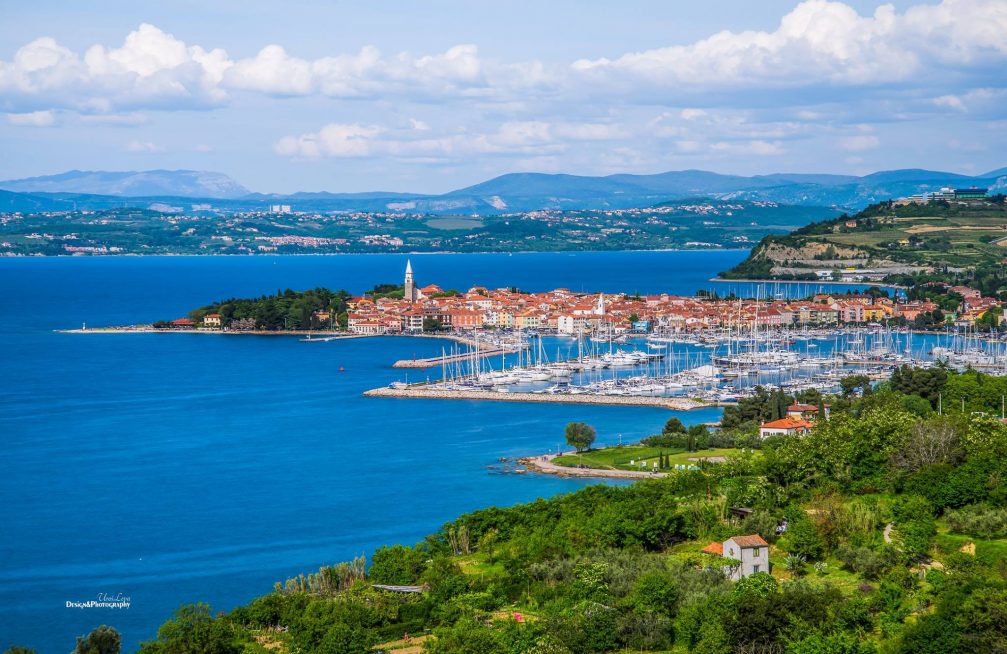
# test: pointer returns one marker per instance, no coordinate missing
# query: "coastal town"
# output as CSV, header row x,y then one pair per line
x,y
431,308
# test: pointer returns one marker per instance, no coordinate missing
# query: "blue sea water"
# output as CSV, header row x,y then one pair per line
x,y
181,468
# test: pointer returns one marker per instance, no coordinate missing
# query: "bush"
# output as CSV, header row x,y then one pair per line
x,y
804,540
864,561
978,520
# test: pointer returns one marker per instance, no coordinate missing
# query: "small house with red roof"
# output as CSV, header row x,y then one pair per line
x,y
784,426
752,553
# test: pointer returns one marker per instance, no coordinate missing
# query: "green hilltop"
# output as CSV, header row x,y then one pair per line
x,y
892,242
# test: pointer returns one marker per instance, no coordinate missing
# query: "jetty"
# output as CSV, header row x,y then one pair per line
x,y
447,359
421,392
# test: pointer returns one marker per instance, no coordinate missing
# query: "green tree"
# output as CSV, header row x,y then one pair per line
x,y
103,640
432,324
580,435
673,426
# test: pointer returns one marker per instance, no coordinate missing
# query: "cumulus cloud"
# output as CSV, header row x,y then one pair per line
x,y
819,44
824,42
152,69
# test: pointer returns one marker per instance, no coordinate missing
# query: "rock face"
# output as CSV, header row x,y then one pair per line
x,y
181,183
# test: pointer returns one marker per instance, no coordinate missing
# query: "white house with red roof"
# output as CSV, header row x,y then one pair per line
x,y
751,551
784,426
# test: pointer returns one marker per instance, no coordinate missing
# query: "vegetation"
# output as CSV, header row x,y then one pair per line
x,y
948,242
173,230
580,435
318,308
888,532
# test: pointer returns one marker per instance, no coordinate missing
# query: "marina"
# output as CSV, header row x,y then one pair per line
x,y
689,370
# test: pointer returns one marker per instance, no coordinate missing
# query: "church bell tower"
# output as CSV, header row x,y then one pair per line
x,y
410,286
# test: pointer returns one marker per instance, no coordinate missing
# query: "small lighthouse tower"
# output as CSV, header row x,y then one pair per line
x,y
410,285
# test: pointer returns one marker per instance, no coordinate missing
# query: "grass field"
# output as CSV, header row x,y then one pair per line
x,y
629,457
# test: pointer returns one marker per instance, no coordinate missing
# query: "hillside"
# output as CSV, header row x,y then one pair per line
x,y
515,192
883,529
171,227
885,241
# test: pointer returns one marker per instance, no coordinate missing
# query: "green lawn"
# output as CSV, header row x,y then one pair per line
x,y
620,458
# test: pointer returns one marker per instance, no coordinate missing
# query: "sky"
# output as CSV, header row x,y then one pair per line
x,y
432,96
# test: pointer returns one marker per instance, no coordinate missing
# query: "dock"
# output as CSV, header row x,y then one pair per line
x,y
419,392
447,359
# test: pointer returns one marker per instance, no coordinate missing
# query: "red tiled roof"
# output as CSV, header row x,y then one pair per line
x,y
715,548
787,423
745,542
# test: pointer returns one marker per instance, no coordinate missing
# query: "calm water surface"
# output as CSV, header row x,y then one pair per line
x,y
179,468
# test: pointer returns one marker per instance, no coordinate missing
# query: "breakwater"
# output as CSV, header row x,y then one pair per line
x,y
419,392
433,362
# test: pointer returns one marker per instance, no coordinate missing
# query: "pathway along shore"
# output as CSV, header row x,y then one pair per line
x,y
544,465
418,392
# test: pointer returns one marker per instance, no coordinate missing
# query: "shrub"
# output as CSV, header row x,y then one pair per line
x,y
978,520
864,561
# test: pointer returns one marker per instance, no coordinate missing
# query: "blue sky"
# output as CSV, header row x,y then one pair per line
x,y
427,97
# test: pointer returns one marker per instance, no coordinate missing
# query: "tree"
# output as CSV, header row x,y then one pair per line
x,y
804,540
103,640
673,426
432,324
580,435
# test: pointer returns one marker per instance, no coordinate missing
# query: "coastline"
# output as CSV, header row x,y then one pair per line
x,y
417,392
542,464
805,281
320,336
354,254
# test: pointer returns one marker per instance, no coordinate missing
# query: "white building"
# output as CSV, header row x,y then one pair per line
x,y
751,551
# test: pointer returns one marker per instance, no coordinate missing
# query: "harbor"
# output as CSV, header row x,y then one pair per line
x,y
690,370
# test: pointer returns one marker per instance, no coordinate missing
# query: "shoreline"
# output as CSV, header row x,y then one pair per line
x,y
321,335
543,465
805,281
354,254
672,403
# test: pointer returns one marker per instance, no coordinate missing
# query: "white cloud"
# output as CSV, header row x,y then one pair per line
x,y
46,118
537,138
823,43
143,146
333,140
859,142
819,44
759,148
692,114
152,69
117,120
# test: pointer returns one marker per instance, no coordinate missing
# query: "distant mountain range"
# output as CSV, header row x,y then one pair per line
x,y
181,183
177,189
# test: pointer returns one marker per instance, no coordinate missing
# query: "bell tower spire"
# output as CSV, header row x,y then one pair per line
x,y
410,286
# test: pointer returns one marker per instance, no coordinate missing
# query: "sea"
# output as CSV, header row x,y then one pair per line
x,y
162,470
